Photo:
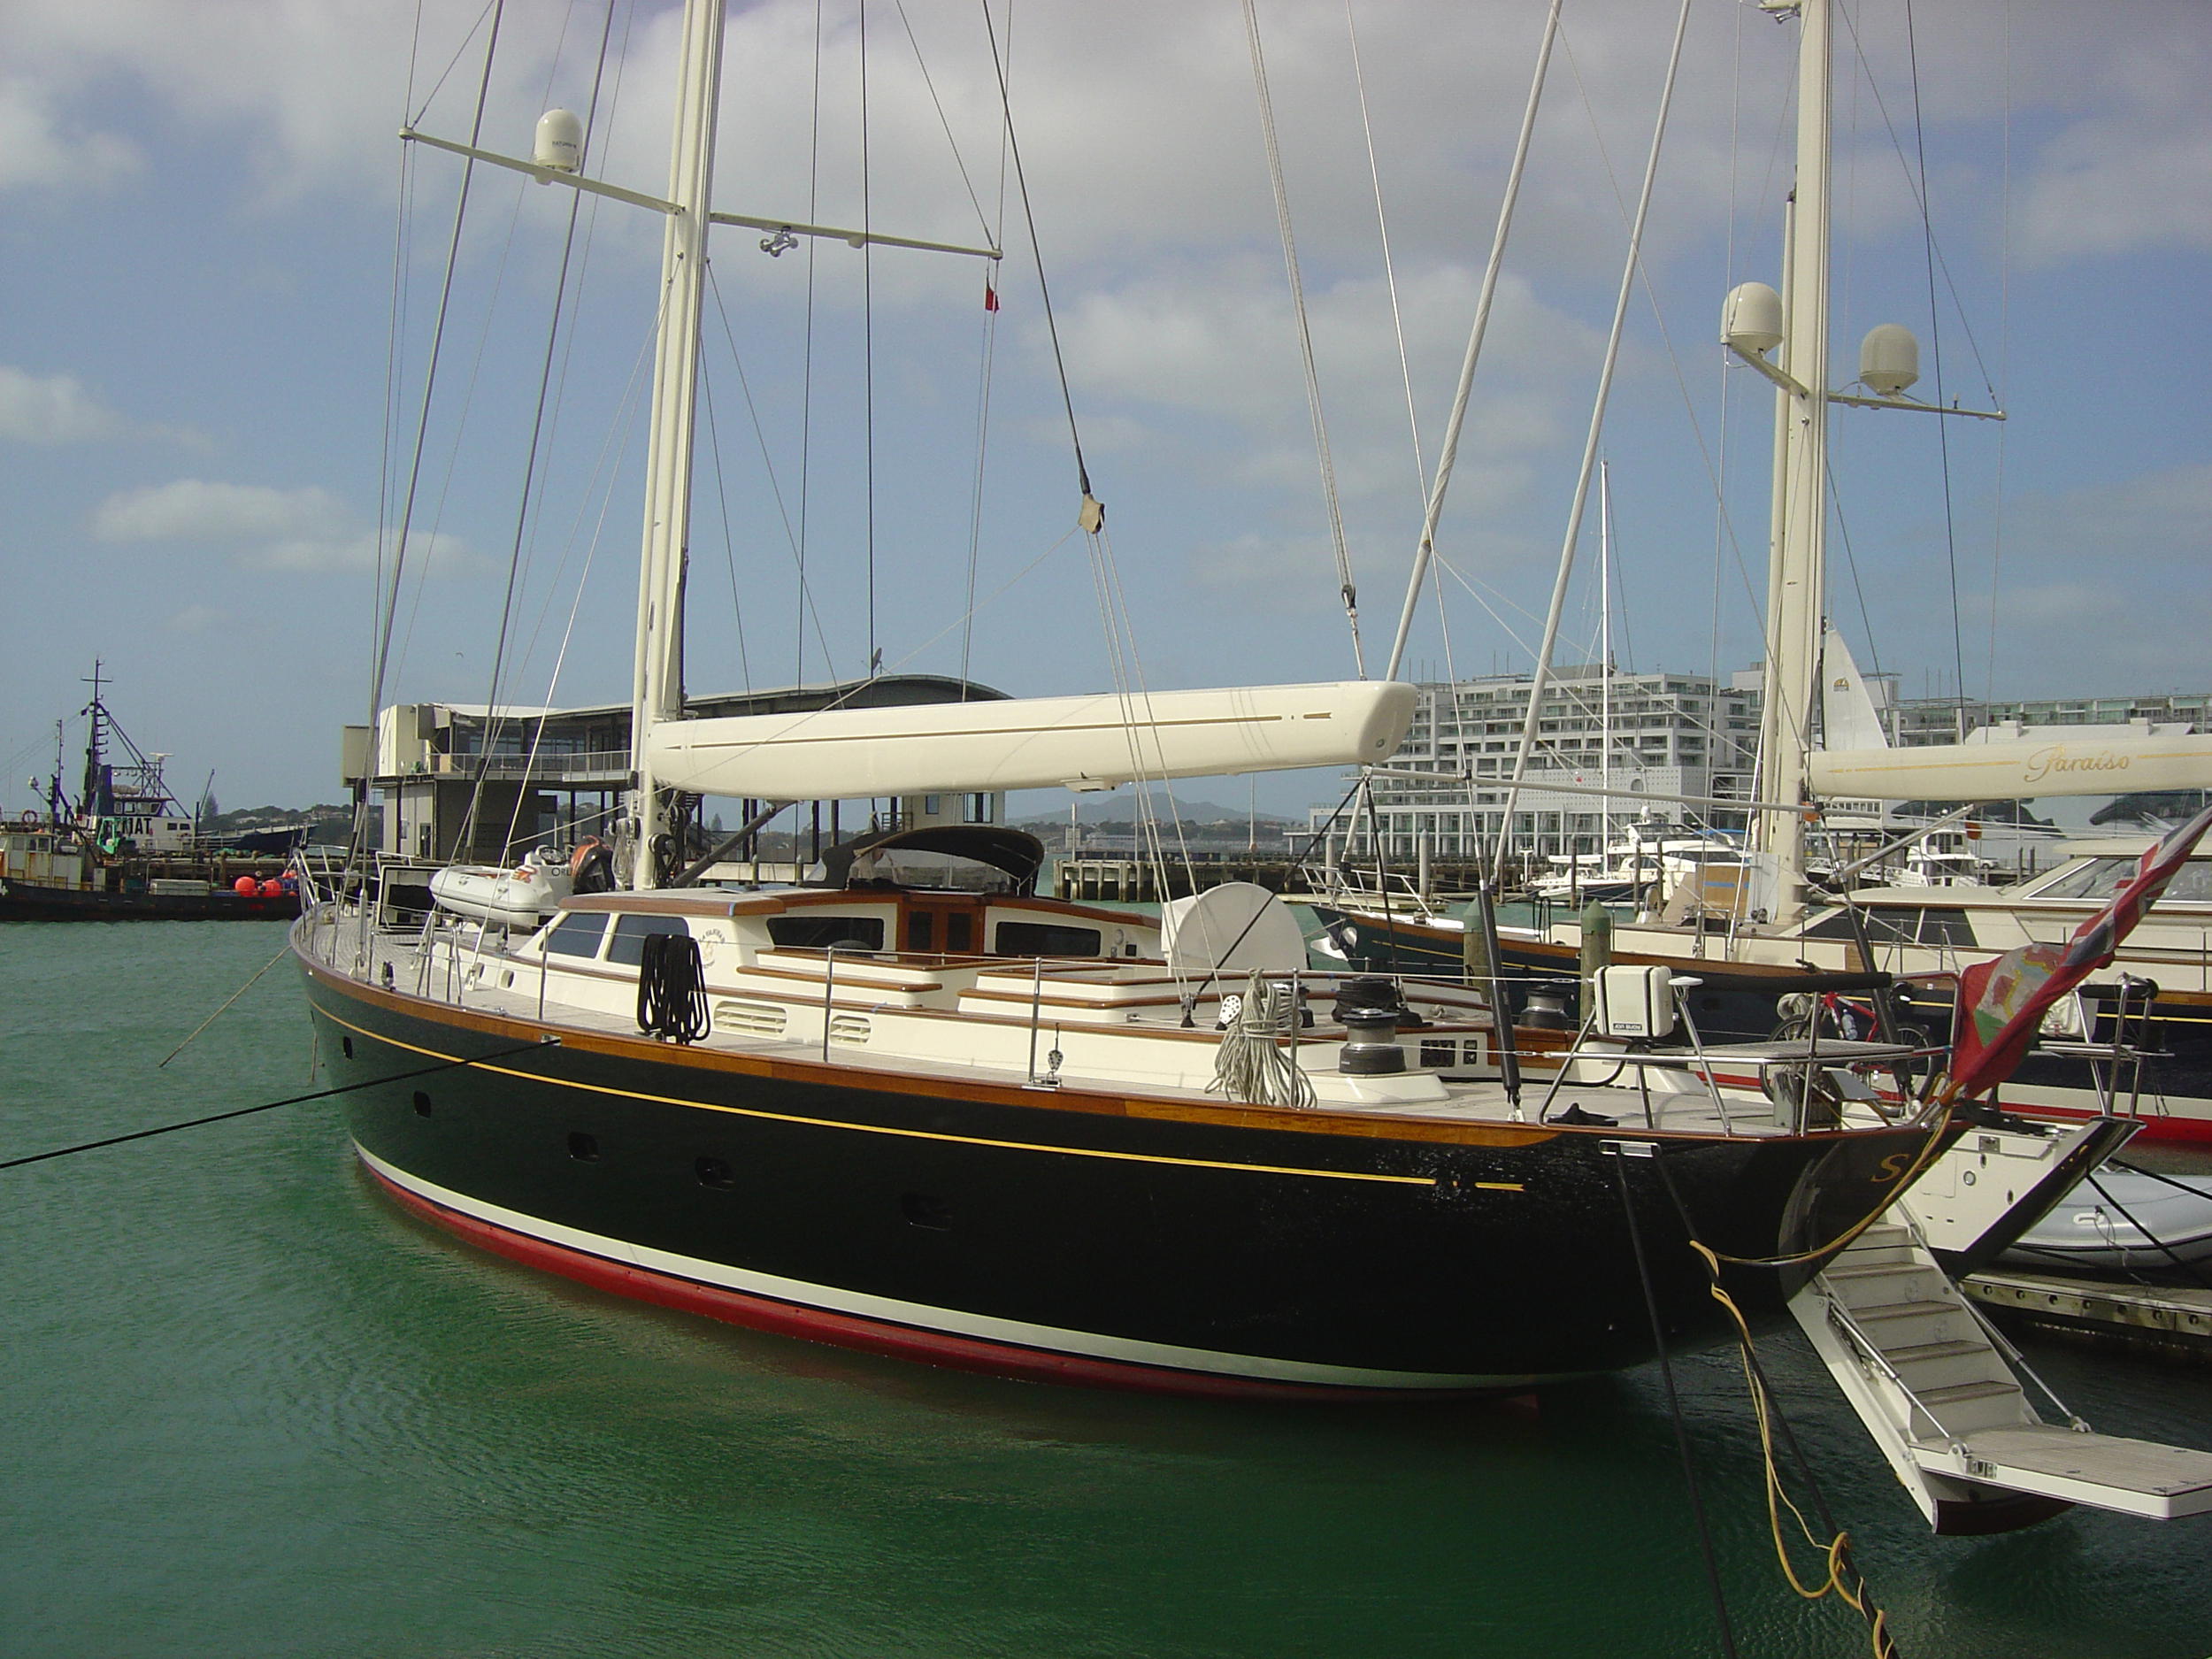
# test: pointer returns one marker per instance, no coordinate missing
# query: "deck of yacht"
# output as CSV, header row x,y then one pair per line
x,y
1108,1027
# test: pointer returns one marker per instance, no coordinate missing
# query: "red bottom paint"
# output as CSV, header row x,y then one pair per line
x,y
877,1336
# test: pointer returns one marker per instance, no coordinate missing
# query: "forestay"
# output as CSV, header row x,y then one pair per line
x,y
1086,742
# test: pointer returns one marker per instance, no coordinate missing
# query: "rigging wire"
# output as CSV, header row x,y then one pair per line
x,y
867,343
1590,443
1390,270
1935,342
431,97
1682,387
769,466
722,502
1345,585
997,237
2004,371
1728,267
958,160
430,376
1448,455
1029,219
806,382
537,434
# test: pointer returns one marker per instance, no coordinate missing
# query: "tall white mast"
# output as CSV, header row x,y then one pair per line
x,y
657,686
1794,597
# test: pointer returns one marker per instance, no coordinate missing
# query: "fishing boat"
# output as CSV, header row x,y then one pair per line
x,y
961,1122
123,849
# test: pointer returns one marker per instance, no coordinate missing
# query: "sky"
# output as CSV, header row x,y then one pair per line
x,y
223,271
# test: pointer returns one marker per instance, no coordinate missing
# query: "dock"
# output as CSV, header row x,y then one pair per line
x,y
2172,1319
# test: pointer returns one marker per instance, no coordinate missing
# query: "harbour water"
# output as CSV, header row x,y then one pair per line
x,y
247,1407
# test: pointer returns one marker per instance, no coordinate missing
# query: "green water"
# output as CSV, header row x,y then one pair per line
x,y
247,1407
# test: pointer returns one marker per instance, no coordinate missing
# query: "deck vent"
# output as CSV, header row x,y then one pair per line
x,y
422,1104
850,1031
713,1173
583,1148
750,1019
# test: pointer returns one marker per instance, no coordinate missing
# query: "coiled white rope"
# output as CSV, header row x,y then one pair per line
x,y
1253,1065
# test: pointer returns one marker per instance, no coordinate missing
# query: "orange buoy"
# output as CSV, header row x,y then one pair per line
x,y
246,887
272,889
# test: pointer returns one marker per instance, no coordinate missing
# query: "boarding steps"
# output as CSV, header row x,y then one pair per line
x,y
1936,1385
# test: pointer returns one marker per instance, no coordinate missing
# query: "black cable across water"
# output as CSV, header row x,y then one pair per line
x,y
294,1100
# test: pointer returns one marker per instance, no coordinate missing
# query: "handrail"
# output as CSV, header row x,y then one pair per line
x,y
1839,1318
2005,1347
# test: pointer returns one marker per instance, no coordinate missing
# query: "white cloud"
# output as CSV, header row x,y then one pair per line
x,y
37,151
190,510
193,619
57,409
307,530
52,409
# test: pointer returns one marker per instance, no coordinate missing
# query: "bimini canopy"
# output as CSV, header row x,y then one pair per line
x,y
1087,742
1017,852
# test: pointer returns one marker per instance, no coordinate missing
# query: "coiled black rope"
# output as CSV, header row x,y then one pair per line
x,y
671,990
294,1100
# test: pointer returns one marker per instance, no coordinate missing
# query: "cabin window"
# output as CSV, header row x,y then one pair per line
x,y
919,931
959,932
630,931
1046,939
2099,878
577,933
1945,927
809,930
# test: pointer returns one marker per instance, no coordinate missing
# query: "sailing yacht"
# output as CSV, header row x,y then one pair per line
x,y
967,1124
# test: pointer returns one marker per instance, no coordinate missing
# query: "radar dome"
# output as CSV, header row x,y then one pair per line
x,y
1889,358
560,145
1751,321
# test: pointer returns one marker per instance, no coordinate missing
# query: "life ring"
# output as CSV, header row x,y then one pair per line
x,y
29,820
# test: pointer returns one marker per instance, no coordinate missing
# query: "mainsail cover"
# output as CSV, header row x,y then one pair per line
x,y
2004,1000
2013,769
1085,742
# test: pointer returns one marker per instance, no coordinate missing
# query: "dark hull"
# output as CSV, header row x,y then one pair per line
x,y
1736,1003
21,902
1154,1245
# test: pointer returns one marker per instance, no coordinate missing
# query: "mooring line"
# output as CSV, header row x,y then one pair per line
x,y
247,1111
217,1014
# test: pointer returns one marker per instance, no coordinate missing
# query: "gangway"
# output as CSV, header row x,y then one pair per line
x,y
1939,1390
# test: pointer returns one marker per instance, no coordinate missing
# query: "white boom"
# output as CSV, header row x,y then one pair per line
x,y
1086,742
2018,769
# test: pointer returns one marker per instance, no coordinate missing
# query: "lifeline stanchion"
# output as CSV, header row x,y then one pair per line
x,y
548,1041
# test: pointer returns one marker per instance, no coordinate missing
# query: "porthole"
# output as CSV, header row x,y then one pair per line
x,y
713,1173
921,1211
346,1044
583,1148
422,1104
